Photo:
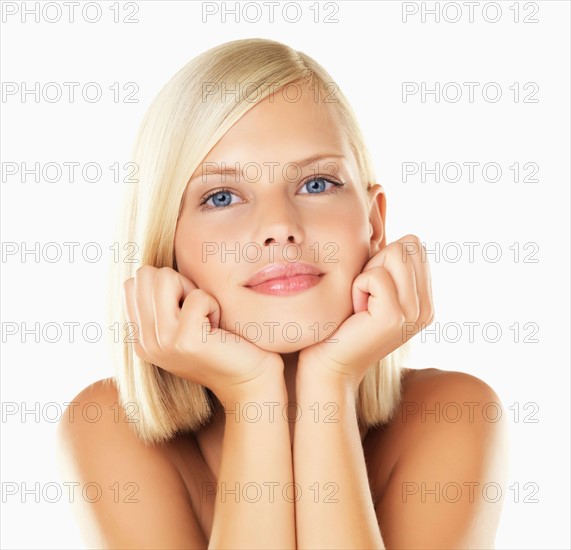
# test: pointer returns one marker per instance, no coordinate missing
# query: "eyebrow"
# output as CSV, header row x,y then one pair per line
x,y
233,171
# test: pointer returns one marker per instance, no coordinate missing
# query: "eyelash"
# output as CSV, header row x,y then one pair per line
x,y
337,186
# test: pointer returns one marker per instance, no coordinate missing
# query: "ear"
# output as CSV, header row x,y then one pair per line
x,y
377,217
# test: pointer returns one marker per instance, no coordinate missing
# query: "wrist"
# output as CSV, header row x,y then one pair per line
x,y
313,378
268,385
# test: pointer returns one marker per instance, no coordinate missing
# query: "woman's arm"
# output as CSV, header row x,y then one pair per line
x,y
393,289
336,507
256,469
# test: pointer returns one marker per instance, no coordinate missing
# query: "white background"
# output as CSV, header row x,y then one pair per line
x,y
370,52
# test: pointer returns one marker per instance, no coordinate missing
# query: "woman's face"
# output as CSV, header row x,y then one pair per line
x,y
280,210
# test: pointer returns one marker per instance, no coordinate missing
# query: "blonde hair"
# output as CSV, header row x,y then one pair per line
x,y
177,132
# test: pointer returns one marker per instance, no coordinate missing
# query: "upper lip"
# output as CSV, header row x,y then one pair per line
x,y
278,271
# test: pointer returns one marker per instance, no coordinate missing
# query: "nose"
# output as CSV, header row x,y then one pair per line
x,y
279,223
290,239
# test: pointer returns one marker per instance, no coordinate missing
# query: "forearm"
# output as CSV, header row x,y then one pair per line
x,y
250,509
331,453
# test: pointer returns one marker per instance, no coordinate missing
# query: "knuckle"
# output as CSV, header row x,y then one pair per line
x,y
197,296
392,248
145,270
201,293
161,278
190,301
165,272
412,239
409,245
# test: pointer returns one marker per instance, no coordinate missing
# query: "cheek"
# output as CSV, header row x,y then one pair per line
x,y
351,242
207,262
191,251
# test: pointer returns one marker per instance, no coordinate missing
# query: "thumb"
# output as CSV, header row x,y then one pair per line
x,y
360,293
186,286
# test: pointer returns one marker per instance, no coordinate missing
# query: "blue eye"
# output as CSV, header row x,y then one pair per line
x,y
222,197
320,187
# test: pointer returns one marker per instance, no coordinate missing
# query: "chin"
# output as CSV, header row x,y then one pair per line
x,y
292,337
282,347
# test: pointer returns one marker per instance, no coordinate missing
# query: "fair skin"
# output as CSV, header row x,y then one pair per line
x,y
353,481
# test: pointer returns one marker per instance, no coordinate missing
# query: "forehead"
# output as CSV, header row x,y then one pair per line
x,y
289,124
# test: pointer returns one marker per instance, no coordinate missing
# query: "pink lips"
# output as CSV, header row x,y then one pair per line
x,y
282,279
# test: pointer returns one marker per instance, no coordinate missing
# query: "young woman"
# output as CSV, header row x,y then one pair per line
x,y
260,400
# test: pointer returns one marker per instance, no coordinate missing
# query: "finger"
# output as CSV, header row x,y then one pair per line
x,y
128,302
143,293
378,330
383,302
198,308
132,317
403,274
360,297
414,252
169,291
404,278
187,286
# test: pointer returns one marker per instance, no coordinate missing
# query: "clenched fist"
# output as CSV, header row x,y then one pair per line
x,y
186,340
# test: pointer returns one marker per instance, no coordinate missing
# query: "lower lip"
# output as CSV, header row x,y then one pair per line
x,y
286,285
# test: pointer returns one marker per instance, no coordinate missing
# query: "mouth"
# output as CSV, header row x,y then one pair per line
x,y
284,278
286,285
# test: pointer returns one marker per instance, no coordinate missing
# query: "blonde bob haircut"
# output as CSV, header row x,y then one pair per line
x,y
181,126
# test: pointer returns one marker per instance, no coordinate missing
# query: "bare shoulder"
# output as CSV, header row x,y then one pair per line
x,y
459,408
423,385
129,494
95,417
448,439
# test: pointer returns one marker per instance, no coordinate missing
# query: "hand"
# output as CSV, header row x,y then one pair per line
x,y
392,301
187,341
